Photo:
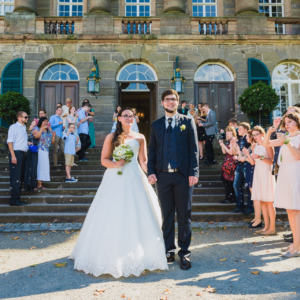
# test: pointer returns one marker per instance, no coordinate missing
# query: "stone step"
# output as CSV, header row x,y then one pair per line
x,y
78,217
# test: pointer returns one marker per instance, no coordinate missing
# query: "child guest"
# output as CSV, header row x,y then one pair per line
x,y
70,143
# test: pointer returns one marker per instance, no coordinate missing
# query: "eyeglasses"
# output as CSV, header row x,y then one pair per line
x,y
254,135
167,100
128,117
25,117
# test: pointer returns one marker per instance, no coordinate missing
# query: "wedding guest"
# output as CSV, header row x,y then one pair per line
x,y
42,114
183,110
17,141
192,113
92,128
234,123
230,164
72,118
59,105
287,192
211,129
65,111
201,117
83,131
293,109
136,120
263,187
240,172
46,137
57,127
249,177
115,118
71,139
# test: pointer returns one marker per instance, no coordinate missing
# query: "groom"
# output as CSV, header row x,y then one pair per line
x,y
173,166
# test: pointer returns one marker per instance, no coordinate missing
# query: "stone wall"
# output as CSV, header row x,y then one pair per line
x,y
160,55
229,8
43,8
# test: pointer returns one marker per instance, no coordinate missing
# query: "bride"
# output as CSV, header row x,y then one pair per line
x,y
122,234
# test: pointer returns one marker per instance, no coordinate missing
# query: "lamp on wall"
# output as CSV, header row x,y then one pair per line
x,y
93,80
178,81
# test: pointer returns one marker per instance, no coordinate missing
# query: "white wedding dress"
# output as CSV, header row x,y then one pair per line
x,y
122,234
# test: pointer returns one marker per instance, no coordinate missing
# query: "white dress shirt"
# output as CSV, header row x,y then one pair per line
x,y
18,136
173,121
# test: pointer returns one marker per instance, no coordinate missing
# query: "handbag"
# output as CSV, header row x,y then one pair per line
x,y
33,148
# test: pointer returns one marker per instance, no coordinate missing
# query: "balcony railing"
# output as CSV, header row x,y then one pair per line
x,y
211,26
288,25
137,25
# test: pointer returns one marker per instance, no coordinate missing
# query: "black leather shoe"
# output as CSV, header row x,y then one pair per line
x,y
237,210
56,169
170,257
225,201
288,235
289,240
257,226
18,204
248,212
185,263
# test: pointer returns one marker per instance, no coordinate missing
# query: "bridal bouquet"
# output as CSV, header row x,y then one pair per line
x,y
123,152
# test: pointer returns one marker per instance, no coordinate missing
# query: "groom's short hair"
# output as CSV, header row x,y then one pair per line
x,y
169,92
205,104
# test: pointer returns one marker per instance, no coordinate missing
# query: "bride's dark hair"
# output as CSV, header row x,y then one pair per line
x,y
118,138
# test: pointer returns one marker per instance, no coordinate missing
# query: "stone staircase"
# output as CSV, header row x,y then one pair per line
x,y
69,202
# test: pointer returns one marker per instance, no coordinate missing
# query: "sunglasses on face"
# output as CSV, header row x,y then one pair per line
x,y
25,117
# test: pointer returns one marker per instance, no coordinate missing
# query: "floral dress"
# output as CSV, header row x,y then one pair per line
x,y
229,166
45,140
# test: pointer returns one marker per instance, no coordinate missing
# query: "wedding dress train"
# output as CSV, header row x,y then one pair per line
x,y
122,234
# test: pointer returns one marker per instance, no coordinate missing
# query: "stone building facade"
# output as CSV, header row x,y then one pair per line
x,y
213,53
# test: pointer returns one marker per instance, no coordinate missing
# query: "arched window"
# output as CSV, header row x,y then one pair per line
x,y
213,72
136,74
286,81
59,72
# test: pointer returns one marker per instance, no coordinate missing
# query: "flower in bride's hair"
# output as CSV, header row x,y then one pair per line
x,y
182,127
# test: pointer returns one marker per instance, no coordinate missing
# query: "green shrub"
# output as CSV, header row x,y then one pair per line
x,y
11,103
258,98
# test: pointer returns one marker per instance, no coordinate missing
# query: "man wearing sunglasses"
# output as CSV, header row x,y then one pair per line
x,y
17,141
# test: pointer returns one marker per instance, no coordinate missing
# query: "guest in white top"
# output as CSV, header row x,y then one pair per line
x,y
65,112
17,141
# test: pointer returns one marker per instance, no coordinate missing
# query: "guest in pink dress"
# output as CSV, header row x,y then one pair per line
x,y
287,193
263,187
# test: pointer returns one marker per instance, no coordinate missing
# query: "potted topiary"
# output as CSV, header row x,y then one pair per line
x,y
258,98
11,103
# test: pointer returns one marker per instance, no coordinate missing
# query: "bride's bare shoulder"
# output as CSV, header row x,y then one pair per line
x,y
109,138
140,138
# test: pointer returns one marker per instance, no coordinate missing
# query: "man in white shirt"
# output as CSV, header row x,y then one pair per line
x,y
17,141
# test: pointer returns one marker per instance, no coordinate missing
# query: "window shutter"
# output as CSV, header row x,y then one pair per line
x,y
12,77
12,81
257,71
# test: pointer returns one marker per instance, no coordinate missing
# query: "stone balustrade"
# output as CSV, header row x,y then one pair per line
x,y
136,26
284,25
210,26
59,25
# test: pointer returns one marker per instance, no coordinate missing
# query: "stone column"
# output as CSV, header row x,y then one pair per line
x,y
171,6
246,7
27,6
99,6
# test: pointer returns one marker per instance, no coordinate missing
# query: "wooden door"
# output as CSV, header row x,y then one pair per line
x,y
219,97
52,93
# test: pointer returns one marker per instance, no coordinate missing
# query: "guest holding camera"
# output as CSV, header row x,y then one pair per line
x,y
45,136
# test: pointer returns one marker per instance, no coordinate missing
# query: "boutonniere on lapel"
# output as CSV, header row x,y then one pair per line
x,y
182,127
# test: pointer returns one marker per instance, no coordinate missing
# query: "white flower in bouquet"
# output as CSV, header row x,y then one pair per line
x,y
123,152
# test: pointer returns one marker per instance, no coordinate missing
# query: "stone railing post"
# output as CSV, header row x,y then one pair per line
x,y
27,6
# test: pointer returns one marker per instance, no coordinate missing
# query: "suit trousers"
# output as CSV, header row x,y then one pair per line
x,y
175,194
209,149
58,142
85,143
16,176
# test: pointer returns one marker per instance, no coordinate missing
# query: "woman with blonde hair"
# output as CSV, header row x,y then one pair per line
x,y
287,194
65,112
230,164
201,117
263,187
136,120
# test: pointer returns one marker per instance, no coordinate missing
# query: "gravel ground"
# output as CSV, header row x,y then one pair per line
x,y
222,259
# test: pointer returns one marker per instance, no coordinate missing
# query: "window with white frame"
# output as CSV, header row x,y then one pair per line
x,y
137,8
6,6
204,8
69,8
286,82
273,8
